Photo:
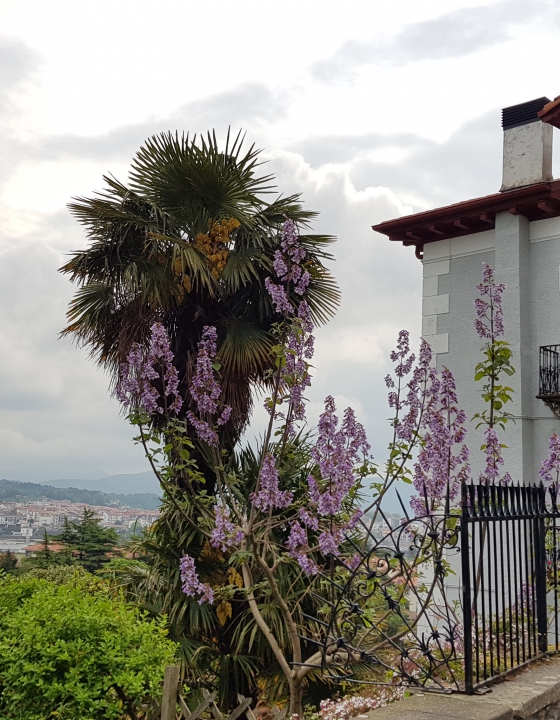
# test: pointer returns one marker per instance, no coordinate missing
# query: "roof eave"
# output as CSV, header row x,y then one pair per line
x,y
535,202
551,113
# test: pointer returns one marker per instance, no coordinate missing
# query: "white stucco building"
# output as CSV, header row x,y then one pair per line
x,y
517,231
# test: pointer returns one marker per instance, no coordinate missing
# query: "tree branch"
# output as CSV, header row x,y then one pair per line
x,y
263,625
284,609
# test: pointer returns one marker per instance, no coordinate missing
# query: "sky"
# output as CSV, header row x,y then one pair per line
x,y
369,109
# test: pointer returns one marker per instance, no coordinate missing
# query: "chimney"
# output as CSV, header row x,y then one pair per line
x,y
527,145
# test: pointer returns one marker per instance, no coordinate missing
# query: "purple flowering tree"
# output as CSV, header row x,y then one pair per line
x,y
260,525
287,525
429,426
293,521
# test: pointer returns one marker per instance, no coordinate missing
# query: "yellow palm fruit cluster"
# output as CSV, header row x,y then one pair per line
x,y
185,279
178,270
214,243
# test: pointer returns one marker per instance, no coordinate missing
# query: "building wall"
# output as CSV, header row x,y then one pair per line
x,y
526,257
544,322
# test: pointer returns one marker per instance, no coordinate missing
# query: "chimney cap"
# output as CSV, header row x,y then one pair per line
x,y
523,114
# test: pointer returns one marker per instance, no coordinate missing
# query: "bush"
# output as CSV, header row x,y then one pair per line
x,y
67,653
59,574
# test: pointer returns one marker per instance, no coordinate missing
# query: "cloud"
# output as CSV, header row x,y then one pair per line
x,y
17,64
455,34
45,171
379,281
18,67
248,105
425,173
56,417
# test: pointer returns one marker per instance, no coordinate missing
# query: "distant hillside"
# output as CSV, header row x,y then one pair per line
x,y
12,490
145,482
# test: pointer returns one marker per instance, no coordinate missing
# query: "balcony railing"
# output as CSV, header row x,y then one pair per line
x,y
549,372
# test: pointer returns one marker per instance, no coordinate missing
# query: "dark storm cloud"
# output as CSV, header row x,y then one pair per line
x,y
455,34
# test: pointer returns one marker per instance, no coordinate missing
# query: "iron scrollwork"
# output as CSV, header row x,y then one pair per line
x,y
393,621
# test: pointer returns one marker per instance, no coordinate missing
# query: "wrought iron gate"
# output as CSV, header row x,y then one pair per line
x,y
450,602
509,558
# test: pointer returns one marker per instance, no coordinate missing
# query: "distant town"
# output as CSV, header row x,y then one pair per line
x,y
24,521
383,526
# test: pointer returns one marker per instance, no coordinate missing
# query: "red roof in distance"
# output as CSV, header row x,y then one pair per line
x,y
53,547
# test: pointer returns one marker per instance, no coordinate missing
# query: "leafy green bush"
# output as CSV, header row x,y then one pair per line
x,y
66,575
69,652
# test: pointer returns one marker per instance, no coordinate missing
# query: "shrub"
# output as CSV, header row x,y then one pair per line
x,y
69,653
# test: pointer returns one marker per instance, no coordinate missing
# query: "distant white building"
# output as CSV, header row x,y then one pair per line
x,y
516,230
25,531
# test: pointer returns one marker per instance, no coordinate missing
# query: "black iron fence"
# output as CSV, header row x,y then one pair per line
x,y
453,601
509,563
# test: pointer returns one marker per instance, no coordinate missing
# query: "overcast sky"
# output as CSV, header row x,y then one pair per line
x,y
371,109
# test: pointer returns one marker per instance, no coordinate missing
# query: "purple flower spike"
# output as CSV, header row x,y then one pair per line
x,y
288,269
205,390
225,535
269,495
336,453
422,376
191,585
300,341
494,460
329,542
298,549
279,298
550,468
203,430
441,466
489,322
135,388
225,416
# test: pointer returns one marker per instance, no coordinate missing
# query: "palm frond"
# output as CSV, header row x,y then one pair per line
x,y
246,348
196,181
143,262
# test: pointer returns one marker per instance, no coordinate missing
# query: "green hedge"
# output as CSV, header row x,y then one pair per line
x,y
70,651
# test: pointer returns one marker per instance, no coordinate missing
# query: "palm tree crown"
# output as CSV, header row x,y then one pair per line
x,y
189,243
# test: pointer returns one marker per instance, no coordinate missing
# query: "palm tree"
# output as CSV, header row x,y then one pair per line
x,y
190,243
